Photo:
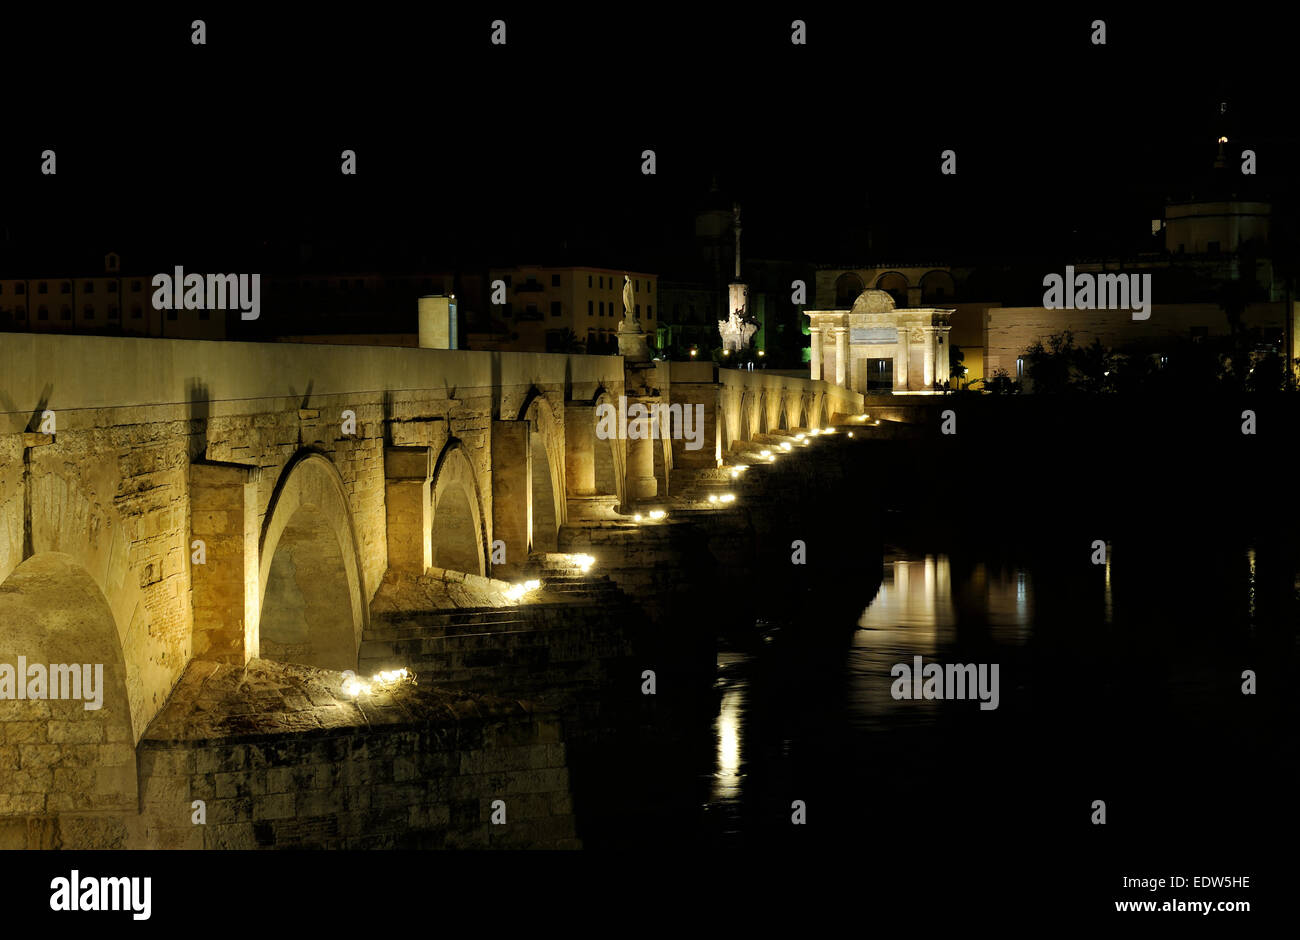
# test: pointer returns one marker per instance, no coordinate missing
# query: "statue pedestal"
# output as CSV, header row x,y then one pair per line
x,y
633,345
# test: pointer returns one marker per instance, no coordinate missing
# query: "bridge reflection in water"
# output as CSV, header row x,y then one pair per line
x,y
920,609
1086,655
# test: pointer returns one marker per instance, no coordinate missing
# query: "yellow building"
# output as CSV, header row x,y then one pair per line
x,y
542,303
109,303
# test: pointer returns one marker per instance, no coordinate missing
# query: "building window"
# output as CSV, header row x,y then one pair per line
x,y
112,312
588,280
135,287
112,287
65,287
649,312
555,280
602,282
636,286
42,288
65,312
20,288
136,313
591,308
88,287
1212,248
43,313
649,287
358,284
88,311
555,308
602,308
171,314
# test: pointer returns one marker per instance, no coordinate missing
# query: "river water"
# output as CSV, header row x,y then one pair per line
x,y
1119,682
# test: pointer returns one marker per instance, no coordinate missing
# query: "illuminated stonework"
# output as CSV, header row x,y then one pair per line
x,y
875,347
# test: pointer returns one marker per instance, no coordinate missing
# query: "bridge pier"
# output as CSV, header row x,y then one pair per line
x,y
580,448
512,494
227,595
408,474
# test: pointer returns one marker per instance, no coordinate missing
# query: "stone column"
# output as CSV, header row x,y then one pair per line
x,y
407,475
512,492
841,356
928,352
579,448
901,352
226,587
942,344
816,358
641,483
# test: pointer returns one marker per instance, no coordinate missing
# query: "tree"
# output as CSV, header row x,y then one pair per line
x,y
956,369
1049,367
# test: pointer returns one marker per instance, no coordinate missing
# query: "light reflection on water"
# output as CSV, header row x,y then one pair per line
x,y
727,776
951,610
918,610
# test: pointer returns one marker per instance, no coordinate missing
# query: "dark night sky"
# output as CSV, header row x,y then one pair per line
x,y
469,154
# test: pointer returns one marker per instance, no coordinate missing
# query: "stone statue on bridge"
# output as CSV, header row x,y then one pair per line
x,y
631,337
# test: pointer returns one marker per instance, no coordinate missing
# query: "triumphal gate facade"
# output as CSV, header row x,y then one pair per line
x,y
875,347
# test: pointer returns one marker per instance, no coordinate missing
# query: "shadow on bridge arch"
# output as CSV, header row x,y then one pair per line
x,y
747,423
608,455
55,616
546,443
312,590
459,536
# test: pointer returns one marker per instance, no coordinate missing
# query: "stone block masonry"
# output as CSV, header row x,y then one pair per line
x,y
283,758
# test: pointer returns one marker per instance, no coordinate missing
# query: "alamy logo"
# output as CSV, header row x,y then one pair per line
x,y
956,681
75,893
56,681
242,292
650,422
1084,291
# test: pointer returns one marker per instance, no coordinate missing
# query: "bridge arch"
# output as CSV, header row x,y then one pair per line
x,y
55,614
747,422
312,588
73,513
459,535
546,443
608,455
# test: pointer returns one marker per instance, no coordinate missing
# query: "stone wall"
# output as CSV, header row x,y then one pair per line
x,y
111,486
281,758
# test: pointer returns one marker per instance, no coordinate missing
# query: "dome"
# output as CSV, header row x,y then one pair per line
x,y
873,301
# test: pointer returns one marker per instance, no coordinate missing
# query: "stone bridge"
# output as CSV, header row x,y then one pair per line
x,y
166,501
